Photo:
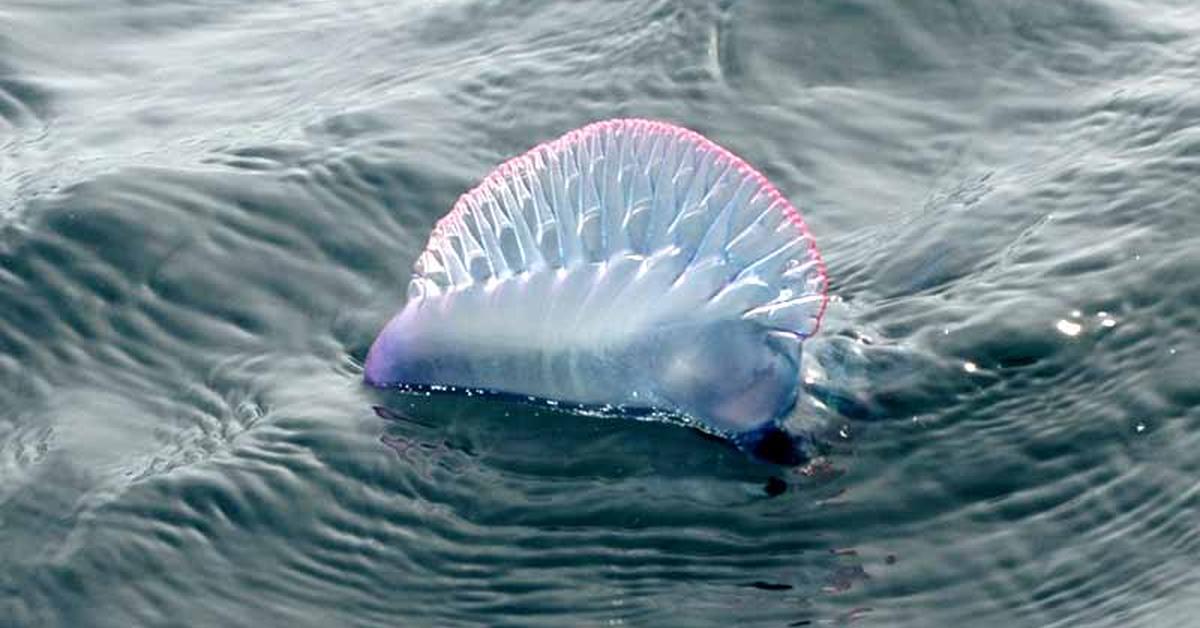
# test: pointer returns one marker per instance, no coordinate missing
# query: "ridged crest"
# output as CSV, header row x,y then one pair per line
x,y
687,228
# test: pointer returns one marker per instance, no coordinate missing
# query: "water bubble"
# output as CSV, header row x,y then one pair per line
x,y
1069,328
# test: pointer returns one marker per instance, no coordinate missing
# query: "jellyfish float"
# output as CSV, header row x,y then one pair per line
x,y
629,264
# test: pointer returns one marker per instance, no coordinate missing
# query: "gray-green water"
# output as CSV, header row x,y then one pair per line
x,y
207,210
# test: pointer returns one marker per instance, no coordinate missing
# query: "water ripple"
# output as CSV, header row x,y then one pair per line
x,y
207,213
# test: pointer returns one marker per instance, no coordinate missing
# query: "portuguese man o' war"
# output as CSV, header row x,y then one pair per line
x,y
631,264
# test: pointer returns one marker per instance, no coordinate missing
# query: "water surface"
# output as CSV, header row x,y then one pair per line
x,y
209,208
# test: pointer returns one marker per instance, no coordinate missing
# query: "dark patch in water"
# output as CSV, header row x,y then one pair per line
x,y
775,486
768,586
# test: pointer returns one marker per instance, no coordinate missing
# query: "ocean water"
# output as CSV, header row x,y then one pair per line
x,y
209,208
